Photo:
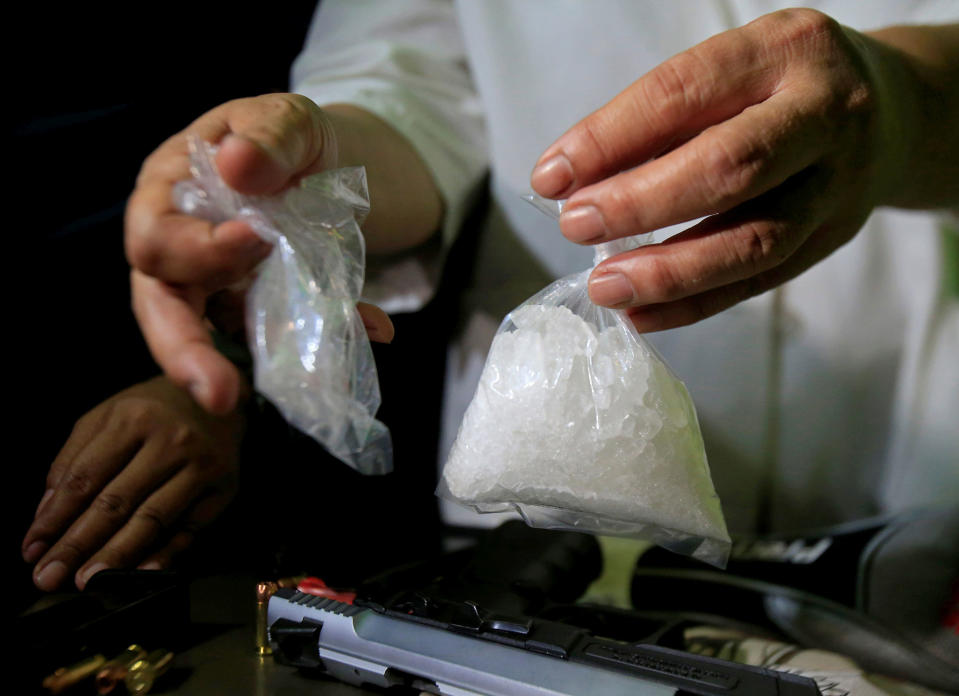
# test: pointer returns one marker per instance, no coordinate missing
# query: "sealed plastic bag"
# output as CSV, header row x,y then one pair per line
x,y
577,423
311,355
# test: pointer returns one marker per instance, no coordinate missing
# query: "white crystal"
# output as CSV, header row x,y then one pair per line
x,y
588,421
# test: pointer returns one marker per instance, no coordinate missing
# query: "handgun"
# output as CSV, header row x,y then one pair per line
x,y
498,621
459,649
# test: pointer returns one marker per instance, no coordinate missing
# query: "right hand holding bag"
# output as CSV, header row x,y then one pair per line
x,y
577,423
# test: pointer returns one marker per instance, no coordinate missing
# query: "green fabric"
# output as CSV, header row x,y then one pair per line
x,y
619,561
950,258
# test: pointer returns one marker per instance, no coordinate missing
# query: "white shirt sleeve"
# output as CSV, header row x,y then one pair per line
x,y
405,63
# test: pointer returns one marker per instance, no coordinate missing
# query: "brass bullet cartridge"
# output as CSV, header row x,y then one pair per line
x,y
114,671
142,673
264,590
66,677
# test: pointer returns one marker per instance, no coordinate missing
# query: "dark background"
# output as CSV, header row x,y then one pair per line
x,y
92,90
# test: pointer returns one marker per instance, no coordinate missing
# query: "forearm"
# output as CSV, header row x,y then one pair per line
x,y
406,205
919,67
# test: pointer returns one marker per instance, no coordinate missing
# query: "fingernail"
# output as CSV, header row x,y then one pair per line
x,y
35,551
50,576
583,224
45,498
83,577
150,565
611,290
553,176
198,390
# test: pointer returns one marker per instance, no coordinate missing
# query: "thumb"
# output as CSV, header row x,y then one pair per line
x,y
273,141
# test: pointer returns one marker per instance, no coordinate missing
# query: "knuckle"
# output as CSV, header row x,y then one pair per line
x,y
730,168
183,441
860,100
71,548
686,90
622,206
183,436
291,114
152,516
286,124
663,280
287,106
803,26
848,98
300,106
677,87
143,248
594,135
855,104
78,483
111,505
139,414
759,246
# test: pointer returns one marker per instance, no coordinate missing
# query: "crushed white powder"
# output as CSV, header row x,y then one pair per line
x,y
587,421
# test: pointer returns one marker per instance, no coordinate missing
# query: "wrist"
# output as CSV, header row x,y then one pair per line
x,y
916,73
894,103
405,205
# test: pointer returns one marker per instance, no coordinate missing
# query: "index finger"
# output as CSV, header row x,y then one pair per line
x,y
87,462
172,324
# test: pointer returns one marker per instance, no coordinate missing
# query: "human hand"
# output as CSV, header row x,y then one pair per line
x,y
184,266
136,479
784,132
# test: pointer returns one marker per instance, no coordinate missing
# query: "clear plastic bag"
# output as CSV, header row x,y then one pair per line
x,y
577,423
312,358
